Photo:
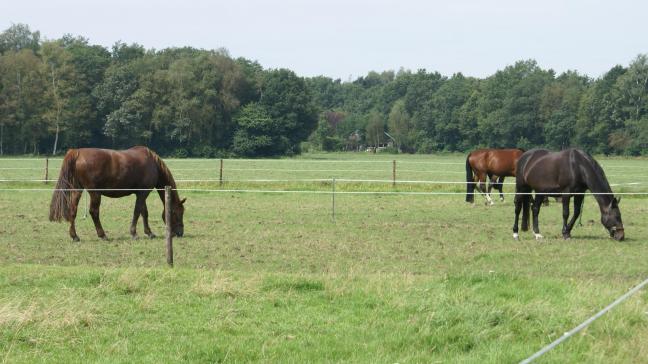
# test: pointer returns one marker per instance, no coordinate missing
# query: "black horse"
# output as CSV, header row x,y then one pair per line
x,y
563,174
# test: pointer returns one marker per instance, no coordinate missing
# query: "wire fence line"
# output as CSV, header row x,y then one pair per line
x,y
410,171
302,180
317,192
198,160
247,160
585,323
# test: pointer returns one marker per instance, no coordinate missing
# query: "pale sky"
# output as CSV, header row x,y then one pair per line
x,y
343,39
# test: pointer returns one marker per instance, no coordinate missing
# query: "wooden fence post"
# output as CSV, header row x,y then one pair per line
x,y
220,176
394,173
46,169
167,220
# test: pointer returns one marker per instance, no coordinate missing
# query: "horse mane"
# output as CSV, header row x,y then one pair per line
x,y
162,168
599,173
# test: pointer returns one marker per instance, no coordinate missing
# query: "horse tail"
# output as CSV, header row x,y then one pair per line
x,y
470,182
61,200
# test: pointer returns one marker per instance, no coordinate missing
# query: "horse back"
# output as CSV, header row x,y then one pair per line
x,y
119,169
545,171
499,162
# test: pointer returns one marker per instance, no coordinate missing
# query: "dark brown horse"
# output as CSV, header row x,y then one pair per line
x,y
568,173
113,173
492,163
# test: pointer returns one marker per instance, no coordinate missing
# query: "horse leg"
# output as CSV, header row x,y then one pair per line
x,y
578,204
482,188
95,202
566,229
539,198
76,196
491,182
496,183
500,184
144,211
526,198
136,213
518,207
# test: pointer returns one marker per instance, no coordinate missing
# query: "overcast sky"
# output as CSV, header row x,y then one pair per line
x,y
345,38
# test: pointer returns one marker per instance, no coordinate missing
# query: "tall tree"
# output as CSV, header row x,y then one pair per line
x,y
375,129
23,100
18,37
90,64
62,82
400,126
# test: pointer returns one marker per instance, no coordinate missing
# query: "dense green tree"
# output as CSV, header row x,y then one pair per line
x,y
90,64
596,115
559,104
510,103
288,100
631,96
258,133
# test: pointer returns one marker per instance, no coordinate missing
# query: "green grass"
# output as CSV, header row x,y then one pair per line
x,y
270,277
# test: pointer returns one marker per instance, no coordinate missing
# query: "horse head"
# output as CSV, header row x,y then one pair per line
x,y
177,213
611,219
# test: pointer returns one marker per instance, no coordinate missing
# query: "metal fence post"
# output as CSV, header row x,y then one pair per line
x,y
333,199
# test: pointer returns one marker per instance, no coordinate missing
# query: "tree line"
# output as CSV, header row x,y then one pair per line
x,y
63,93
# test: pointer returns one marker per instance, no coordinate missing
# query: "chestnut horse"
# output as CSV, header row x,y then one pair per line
x,y
492,163
566,173
113,173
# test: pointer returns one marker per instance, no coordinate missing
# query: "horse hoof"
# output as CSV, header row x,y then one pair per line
x,y
104,238
501,199
151,236
566,236
539,237
134,237
76,239
516,236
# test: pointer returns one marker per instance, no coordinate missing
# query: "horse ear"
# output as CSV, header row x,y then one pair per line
x,y
183,201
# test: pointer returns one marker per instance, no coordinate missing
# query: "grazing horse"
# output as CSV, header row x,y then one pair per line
x,y
566,173
492,163
113,173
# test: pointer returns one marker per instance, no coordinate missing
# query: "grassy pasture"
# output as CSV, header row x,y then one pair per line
x,y
271,277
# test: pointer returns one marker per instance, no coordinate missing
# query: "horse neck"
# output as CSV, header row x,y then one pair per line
x,y
598,184
166,179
